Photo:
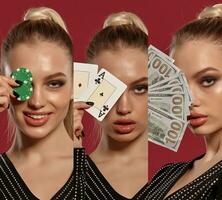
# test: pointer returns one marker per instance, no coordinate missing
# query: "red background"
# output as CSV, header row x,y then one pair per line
x,y
84,18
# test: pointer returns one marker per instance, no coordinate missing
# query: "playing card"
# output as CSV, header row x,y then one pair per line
x,y
84,75
104,92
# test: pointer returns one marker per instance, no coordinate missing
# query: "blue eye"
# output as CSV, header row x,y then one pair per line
x,y
140,89
56,83
208,81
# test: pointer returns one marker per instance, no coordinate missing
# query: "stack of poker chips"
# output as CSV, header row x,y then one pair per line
x,y
23,77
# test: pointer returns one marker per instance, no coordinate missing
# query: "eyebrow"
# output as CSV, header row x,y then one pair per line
x,y
139,80
204,71
55,75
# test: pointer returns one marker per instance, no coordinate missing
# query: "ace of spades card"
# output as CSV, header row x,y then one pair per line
x,y
84,75
104,92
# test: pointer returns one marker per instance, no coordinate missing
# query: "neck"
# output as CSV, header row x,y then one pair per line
x,y
213,146
136,148
55,143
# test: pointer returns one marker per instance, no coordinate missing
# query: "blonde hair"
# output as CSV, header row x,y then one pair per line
x,y
208,12
120,30
123,17
208,25
46,24
44,13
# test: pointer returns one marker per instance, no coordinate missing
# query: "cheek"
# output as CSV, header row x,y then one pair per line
x,y
61,96
216,95
216,99
60,99
141,110
141,103
218,90
17,106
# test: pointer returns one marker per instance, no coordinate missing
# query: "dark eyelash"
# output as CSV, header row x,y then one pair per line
x,y
208,79
141,87
60,83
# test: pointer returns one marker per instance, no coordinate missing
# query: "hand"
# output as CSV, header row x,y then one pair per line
x,y
6,91
79,109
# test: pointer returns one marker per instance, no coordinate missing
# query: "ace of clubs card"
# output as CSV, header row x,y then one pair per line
x,y
104,92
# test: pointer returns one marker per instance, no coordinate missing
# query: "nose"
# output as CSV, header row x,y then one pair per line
x,y
195,100
124,104
37,100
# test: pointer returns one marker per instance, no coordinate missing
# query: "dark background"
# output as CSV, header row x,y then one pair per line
x,y
84,18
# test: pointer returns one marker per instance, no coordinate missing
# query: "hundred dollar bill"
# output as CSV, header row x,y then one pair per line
x,y
153,50
160,69
165,129
174,104
169,89
174,80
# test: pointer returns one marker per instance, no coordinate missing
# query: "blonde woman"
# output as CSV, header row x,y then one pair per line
x,y
40,162
196,48
118,168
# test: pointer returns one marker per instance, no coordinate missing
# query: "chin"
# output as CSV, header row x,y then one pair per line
x,y
204,130
129,137
38,132
35,133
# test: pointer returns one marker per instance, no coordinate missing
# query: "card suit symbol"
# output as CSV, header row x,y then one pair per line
x,y
80,85
105,108
102,75
98,81
101,113
101,94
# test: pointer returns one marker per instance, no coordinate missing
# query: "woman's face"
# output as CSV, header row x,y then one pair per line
x,y
127,120
45,111
201,61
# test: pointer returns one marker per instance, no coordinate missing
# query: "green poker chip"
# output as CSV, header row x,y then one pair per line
x,y
24,77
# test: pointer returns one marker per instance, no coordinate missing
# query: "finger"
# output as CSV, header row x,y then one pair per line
x,y
77,142
82,105
4,102
4,84
11,81
78,114
4,91
78,128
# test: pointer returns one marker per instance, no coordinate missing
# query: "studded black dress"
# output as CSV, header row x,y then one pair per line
x,y
207,186
12,185
98,188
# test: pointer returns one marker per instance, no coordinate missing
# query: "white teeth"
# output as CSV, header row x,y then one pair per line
x,y
37,116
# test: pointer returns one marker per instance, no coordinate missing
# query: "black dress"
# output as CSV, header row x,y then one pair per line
x,y
98,188
207,186
12,185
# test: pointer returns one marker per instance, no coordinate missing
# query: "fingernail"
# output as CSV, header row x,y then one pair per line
x,y
19,82
15,94
83,134
90,103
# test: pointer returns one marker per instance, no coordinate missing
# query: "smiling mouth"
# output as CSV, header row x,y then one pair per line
x,y
37,116
36,120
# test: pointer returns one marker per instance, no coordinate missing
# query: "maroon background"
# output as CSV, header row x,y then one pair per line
x,y
84,18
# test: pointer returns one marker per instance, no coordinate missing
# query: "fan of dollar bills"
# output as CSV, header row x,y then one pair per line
x,y
168,100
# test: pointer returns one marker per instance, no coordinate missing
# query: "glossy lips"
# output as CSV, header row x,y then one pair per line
x,y
124,126
36,118
197,119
